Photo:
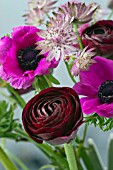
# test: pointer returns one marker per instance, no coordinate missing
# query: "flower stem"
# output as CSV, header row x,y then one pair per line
x,y
70,156
110,15
68,69
7,163
18,98
79,38
84,133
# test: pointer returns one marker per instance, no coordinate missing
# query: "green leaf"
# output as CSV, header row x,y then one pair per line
x,y
105,124
52,79
94,156
7,123
48,166
17,160
110,152
59,159
40,83
86,158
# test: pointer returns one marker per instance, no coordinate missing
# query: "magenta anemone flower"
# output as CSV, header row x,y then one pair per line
x,y
20,61
96,86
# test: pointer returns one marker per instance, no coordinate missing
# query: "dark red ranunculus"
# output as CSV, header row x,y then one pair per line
x,y
53,115
99,35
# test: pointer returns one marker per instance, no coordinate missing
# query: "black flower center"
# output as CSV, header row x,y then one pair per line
x,y
29,58
105,92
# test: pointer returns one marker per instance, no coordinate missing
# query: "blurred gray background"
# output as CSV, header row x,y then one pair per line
x,y
11,12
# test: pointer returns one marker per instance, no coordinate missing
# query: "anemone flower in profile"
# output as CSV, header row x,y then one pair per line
x,y
59,39
96,86
20,62
77,11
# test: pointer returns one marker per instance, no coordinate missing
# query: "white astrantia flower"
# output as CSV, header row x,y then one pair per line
x,y
58,39
37,10
34,17
44,5
83,60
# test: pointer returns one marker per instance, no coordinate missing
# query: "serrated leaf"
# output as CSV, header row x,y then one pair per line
x,y
6,117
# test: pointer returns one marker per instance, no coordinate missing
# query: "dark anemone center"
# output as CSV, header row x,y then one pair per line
x,y
105,92
29,58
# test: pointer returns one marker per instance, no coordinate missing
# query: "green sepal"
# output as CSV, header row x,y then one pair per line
x,y
52,79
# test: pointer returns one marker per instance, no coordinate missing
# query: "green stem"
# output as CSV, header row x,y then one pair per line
x,y
110,15
84,133
7,163
68,69
79,38
46,149
70,156
18,98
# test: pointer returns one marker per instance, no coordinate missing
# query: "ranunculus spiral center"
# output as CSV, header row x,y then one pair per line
x,y
28,58
105,92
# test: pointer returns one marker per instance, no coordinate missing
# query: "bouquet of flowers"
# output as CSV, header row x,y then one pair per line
x,y
72,33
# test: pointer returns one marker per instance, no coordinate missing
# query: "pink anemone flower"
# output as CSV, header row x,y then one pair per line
x,y
96,86
20,62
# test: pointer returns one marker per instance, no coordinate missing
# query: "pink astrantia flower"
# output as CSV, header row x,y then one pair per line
x,y
21,61
78,11
83,60
96,85
59,39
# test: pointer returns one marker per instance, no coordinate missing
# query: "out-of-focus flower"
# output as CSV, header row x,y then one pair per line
x,y
37,10
59,39
99,14
44,5
99,36
96,85
110,4
5,44
78,12
34,17
21,61
83,61
53,115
